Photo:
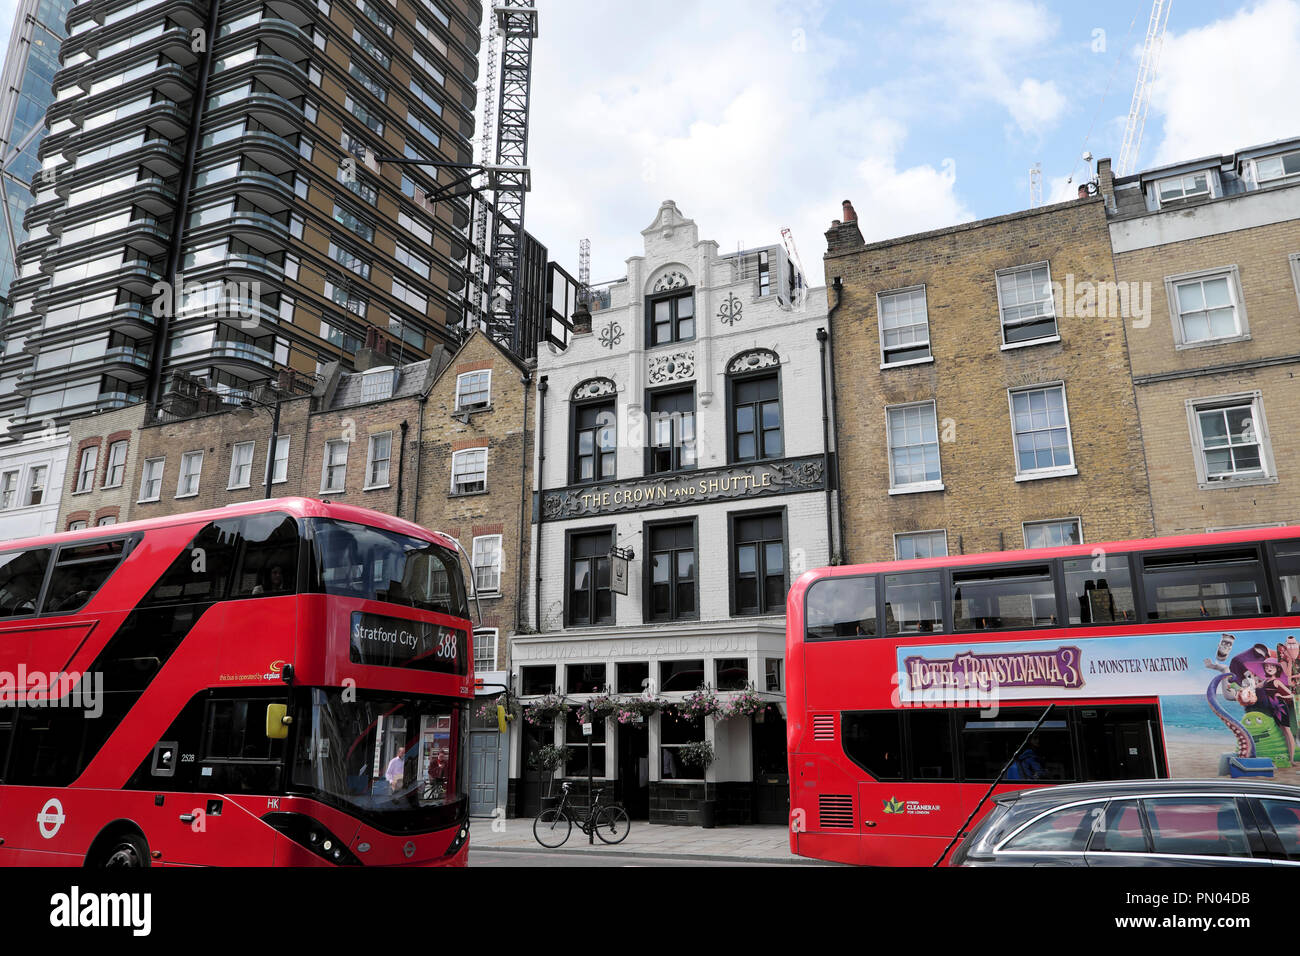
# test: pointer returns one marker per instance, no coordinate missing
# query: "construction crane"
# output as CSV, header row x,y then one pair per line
x,y
1035,185
479,239
584,271
1137,113
517,23
798,284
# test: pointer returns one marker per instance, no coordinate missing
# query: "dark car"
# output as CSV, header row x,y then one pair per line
x,y
1140,823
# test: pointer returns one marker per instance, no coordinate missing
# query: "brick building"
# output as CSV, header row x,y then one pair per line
x,y
982,402
1215,242
682,485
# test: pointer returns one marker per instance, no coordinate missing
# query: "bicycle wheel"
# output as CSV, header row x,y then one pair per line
x,y
613,824
552,827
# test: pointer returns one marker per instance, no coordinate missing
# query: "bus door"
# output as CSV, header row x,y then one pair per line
x,y
1120,743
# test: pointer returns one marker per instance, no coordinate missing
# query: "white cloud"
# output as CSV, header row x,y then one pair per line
x,y
1227,85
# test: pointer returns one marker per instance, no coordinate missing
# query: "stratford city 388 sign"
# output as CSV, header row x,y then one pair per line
x,y
789,476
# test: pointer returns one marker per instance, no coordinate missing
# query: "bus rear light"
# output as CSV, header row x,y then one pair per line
x,y
835,811
823,726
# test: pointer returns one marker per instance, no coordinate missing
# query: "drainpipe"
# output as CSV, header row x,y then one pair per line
x,y
826,448
162,327
401,467
541,461
419,455
527,380
838,286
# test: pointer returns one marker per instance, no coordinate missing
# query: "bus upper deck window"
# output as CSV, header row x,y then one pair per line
x,y
993,598
21,576
841,607
1287,558
1208,584
1098,590
914,603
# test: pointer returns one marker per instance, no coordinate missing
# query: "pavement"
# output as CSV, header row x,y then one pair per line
x,y
735,845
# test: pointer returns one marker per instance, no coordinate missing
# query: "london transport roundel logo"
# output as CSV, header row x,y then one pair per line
x,y
50,820
409,849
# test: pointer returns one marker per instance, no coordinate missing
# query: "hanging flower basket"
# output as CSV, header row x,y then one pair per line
x,y
597,708
698,754
544,710
700,703
488,710
746,703
632,710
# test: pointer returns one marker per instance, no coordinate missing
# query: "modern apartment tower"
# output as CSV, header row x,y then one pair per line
x,y
213,207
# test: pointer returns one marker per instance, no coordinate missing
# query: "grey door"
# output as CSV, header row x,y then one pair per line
x,y
484,756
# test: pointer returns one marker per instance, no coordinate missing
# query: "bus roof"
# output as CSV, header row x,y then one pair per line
x,y
297,507
1172,542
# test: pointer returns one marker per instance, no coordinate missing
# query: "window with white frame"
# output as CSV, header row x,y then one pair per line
x,y
36,484
8,488
1295,273
115,473
1230,437
279,462
78,525
904,326
1025,304
1274,168
486,560
241,464
151,479
473,390
378,457
485,649
920,544
105,521
1040,424
913,439
334,468
86,466
191,468
1175,189
1053,534
469,471
1206,307
377,384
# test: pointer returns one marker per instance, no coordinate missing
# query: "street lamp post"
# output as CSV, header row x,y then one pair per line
x,y
275,434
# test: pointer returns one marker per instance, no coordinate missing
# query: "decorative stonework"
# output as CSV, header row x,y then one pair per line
x,y
611,335
672,367
729,311
752,361
593,388
669,281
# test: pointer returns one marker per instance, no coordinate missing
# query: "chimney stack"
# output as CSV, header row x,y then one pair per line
x,y
844,234
581,319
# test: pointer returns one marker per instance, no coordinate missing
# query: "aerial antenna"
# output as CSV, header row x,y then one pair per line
x,y
1035,185
584,271
1137,113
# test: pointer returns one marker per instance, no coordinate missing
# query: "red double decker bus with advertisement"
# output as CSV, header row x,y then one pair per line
x,y
283,682
913,684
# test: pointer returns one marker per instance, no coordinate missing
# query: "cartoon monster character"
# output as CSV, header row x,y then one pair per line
x,y
1245,744
1268,740
1246,692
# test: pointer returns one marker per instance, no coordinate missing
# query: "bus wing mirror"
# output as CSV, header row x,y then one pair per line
x,y
277,721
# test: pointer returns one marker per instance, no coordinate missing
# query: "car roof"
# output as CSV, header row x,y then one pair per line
x,y
1069,792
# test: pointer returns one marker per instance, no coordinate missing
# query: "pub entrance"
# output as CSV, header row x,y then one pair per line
x,y
771,768
634,769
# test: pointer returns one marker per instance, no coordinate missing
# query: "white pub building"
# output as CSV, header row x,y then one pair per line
x,y
683,482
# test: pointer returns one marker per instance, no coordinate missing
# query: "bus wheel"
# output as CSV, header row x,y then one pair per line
x,y
124,850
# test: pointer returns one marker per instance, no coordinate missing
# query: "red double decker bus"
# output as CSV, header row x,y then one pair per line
x,y
912,684
282,682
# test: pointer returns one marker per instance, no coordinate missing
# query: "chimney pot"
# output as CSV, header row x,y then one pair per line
x,y
1083,191
849,214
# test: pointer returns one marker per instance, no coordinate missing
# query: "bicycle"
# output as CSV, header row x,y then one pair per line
x,y
609,821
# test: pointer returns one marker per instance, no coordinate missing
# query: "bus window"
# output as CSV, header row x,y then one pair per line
x,y
988,743
841,607
929,736
1209,584
238,757
201,572
21,576
874,741
914,603
1098,590
79,572
1287,558
1021,597
269,563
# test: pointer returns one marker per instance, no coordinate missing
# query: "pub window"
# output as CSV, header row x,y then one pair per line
x,y
914,603
772,667
671,591
575,747
1019,597
732,673
1228,583
987,744
676,729
1287,563
21,576
874,741
758,564
683,676
584,678
841,607
595,442
672,431
590,599
671,318
536,681
756,418
1098,590
633,676
79,572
